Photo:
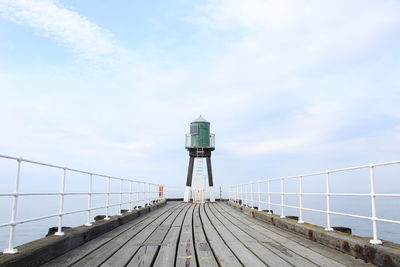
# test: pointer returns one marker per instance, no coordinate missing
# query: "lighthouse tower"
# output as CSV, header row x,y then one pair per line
x,y
199,142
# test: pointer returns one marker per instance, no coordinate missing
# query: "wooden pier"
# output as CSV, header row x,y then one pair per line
x,y
211,234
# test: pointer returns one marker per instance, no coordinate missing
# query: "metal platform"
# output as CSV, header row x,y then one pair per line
x,y
210,234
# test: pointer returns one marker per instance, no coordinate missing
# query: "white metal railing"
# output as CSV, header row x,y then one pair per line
x,y
146,193
189,140
251,193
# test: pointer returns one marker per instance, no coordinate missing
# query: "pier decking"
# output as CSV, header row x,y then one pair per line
x,y
211,234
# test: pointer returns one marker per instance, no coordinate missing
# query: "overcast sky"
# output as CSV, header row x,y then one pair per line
x,y
288,86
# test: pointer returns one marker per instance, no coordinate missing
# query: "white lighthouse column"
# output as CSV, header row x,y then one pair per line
x,y
211,192
198,181
186,196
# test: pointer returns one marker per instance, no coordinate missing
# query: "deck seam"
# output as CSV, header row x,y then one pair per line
x,y
194,240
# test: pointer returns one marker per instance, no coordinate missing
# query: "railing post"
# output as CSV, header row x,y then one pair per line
x,y
120,197
89,204
300,200
375,239
108,200
259,196
130,197
148,197
282,213
251,195
61,207
328,203
269,197
137,196
237,194
143,195
11,249
245,194
154,193
241,195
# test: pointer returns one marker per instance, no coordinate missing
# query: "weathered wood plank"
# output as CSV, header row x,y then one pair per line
x,y
246,256
148,251
186,254
75,255
101,254
264,254
224,255
167,254
271,247
329,252
289,244
204,253
124,253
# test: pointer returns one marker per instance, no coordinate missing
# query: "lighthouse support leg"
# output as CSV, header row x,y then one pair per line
x,y
186,196
210,180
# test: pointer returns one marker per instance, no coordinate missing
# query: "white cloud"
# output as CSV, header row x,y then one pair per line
x,y
299,132
67,27
279,36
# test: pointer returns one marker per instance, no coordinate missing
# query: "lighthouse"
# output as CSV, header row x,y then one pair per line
x,y
199,142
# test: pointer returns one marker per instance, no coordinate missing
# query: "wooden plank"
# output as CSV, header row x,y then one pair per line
x,y
224,255
149,249
186,255
101,254
167,254
264,254
246,256
284,241
271,247
75,255
124,254
204,253
329,252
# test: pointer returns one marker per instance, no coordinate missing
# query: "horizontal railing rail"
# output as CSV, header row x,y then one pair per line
x,y
145,193
246,194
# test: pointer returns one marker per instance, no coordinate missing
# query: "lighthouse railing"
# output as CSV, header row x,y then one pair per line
x,y
139,193
189,141
257,193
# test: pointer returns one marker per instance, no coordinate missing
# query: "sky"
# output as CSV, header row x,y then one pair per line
x,y
289,87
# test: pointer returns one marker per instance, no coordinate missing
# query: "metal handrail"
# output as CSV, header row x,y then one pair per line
x,y
145,192
244,194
